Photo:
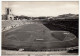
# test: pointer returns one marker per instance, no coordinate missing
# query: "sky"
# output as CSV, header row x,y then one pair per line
x,y
41,8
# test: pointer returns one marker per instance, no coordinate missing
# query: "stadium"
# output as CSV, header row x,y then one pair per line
x,y
35,37
39,34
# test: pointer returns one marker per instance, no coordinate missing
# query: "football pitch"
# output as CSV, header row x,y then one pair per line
x,y
31,37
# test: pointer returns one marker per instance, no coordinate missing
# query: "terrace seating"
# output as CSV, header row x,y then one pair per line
x,y
8,24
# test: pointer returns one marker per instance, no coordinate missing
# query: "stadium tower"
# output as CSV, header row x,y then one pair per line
x,y
9,14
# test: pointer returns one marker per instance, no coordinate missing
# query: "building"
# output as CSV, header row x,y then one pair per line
x,y
9,14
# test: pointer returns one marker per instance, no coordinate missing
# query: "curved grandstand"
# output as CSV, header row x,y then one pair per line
x,y
30,35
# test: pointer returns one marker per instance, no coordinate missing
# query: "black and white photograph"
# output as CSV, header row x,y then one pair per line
x,y
40,28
